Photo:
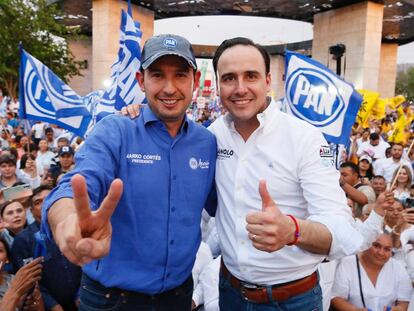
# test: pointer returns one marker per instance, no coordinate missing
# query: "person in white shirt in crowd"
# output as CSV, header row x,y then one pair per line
x,y
366,211
379,184
208,286
387,166
203,258
50,139
370,224
44,157
402,185
375,147
364,138
6,126
5,139
28,170
37,131
372,280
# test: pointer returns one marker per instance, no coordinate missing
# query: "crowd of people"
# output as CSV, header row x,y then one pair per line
x,y
289,232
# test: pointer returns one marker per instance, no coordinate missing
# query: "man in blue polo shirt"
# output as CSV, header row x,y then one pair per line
x,y
141,257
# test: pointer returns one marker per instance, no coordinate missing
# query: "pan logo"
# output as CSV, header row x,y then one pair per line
x,y
170,42
313,97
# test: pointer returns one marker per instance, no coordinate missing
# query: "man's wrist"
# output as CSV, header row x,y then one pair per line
x,y
296,233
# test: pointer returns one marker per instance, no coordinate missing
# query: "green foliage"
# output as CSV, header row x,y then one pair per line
x,y
38,26
405,84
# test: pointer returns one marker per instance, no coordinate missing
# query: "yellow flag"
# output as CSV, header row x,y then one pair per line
x,y
396,101
378,110
368,103
399,134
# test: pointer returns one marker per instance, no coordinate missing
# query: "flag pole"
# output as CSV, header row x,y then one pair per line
x,y
401,165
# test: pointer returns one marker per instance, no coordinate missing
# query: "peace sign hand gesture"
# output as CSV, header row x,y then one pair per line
x,y
85,235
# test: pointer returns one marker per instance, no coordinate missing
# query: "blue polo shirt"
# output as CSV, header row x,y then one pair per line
x,y
167,183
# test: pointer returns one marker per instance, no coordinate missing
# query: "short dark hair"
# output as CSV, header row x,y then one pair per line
x,y
61,139
374,136
352,165
378,177
7,158
41,188
48,130
226,44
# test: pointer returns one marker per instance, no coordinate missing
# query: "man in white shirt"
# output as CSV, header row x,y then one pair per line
x,y
364,137
375,148
387,166
272,239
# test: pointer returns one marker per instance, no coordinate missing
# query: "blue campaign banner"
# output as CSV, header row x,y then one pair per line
x,y
45,97
124,88
317,95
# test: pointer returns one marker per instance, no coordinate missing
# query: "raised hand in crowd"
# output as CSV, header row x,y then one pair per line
x,y
81,234
24,281
384,202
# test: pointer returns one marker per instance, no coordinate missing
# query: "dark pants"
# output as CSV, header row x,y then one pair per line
x,y
95,297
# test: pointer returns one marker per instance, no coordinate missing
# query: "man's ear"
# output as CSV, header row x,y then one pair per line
x,y
140,78
197,76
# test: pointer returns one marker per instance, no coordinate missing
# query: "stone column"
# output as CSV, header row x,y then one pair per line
x,y
82,49
106,30
388,69
277,70
359,28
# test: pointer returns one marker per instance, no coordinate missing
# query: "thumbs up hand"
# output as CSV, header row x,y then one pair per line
x,y
86,235
269,229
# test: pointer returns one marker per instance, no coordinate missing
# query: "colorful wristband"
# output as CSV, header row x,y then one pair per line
x,y
297,233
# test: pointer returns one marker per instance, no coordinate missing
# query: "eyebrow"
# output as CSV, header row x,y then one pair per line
x,y
244,72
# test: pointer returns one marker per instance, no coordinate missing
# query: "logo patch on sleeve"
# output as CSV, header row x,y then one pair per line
x,y
326,155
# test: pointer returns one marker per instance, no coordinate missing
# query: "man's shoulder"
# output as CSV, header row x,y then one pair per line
x,y
199,131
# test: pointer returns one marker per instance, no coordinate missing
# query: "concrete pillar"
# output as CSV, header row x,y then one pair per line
x,y
277,70
359,27
106,28
82,49
388,69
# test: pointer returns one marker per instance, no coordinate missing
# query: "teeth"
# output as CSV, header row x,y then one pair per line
x,y
170,101
241,101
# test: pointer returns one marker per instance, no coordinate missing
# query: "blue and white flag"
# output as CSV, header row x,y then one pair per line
x,y
45,97
124,88
317,95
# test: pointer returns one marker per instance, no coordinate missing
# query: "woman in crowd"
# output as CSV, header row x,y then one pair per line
x,y
28,171
365,169
372,280
403,184
44,157
13,220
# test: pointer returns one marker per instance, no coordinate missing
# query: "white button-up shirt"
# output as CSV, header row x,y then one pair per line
x,y
387,166
293,157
